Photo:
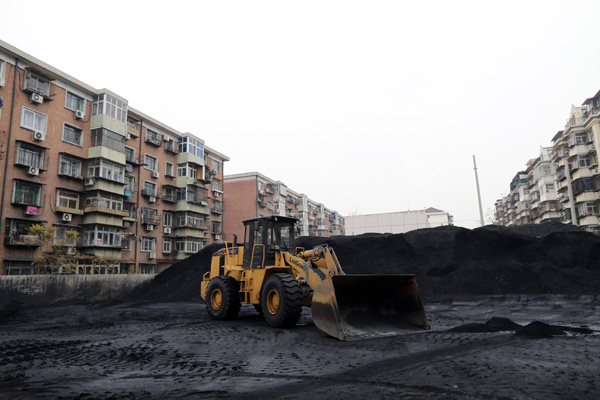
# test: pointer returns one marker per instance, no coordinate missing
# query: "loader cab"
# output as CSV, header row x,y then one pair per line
x,y
265,236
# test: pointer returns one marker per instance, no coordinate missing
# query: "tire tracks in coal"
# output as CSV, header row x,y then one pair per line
x,y
367,374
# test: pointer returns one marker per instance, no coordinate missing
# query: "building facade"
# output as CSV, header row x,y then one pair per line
x,y
563,183
81,159
252,195
397,222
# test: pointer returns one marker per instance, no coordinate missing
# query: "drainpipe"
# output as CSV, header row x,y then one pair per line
x,y
10,126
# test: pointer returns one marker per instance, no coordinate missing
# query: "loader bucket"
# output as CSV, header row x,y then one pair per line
x,y
353,307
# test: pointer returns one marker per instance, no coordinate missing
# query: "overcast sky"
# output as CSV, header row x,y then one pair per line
x,y
367,107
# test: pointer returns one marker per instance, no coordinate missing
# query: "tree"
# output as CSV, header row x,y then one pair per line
x,y
59,255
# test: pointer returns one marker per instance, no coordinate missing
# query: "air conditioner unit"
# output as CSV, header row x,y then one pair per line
x,y
149,227
217,237
79,114
127,136
39,136
33,171
152,255
37,98
167,229
204,203
152,199
67,217
155,174
71,250
89,181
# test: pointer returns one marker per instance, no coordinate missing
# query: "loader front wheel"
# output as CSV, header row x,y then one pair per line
x,y
281,301
222,298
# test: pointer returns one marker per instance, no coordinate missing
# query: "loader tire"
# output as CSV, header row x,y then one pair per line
x,y
222,298
281,301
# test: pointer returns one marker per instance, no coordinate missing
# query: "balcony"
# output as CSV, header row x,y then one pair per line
x,y
170,197
217,210
151,219
149,193
172,147
154,139
198,224
22,240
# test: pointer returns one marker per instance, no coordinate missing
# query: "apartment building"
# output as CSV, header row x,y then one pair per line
x,y
563,182
78,158
251,195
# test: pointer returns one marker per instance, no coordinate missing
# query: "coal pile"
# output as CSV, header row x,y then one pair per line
x,y
492,260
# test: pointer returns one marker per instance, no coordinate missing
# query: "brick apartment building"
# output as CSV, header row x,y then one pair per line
x,y
563,183
78,158
251,195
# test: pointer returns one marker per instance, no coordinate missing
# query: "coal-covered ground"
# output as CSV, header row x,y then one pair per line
x,y
447,261
515,314
174,351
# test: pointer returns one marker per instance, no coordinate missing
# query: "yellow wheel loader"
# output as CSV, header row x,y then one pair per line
x,y
269,272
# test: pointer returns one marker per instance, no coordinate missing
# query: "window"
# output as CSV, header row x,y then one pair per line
x,y
170,194
130,154
17,232
73,135
18,268
216,166
105,236
150,216
33,120
129,183
69,166
150,163
216,228
37,84
188,245
169,169
167,219
105,200
104,137
30,155
27,193
153,137
74,102
67,199
149,189
146,268
190,220
61,238
187,169
100,168
192,146
550,188
148,243
167,244
111,106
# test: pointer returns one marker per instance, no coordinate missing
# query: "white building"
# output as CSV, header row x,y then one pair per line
x,y
397,222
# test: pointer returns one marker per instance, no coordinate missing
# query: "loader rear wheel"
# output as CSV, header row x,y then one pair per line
x,y
281,301
222,298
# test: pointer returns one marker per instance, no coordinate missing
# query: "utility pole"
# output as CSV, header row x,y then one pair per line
x,y
478,192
